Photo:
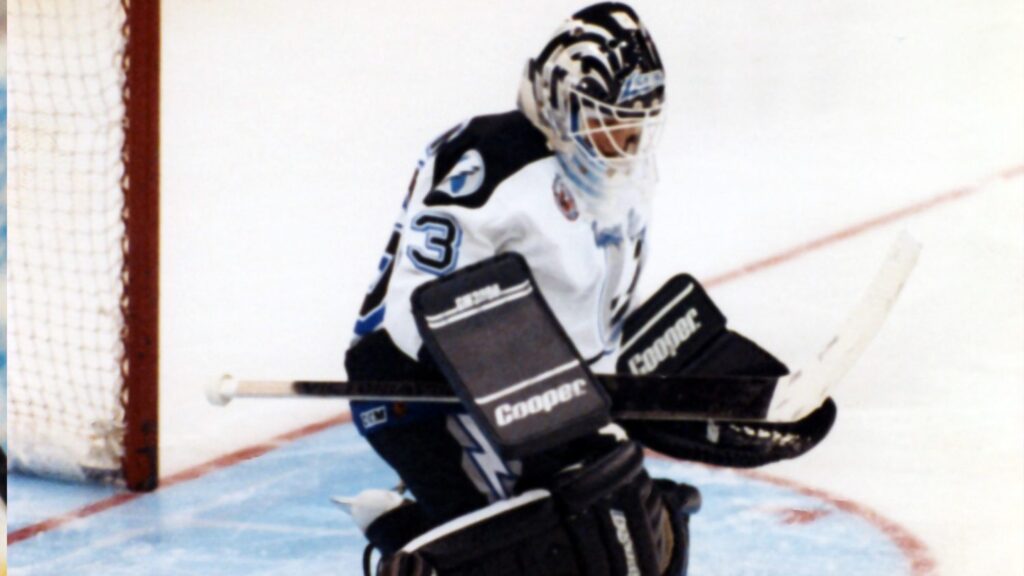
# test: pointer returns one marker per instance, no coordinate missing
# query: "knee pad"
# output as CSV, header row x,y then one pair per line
x,y
606,517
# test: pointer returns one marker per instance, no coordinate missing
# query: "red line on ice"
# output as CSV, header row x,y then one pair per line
x,y
794,516
899,533
913,549
921,561
220,463
862,227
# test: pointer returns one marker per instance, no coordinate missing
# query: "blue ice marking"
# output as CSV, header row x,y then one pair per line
x,y
272,515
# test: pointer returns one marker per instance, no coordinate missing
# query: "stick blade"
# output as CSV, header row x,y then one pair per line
x,y
805,390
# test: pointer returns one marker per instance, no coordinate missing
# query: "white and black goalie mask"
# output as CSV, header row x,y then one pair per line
x,y
598,90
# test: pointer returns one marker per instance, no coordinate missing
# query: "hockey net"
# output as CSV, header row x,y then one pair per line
x,y
83,235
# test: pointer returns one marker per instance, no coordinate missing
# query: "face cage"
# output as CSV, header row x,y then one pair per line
x,y
607,151
618,135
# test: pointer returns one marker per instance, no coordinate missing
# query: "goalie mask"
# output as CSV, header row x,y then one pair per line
x,y
596,91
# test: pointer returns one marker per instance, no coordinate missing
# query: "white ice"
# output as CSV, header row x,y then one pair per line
x,y
291,130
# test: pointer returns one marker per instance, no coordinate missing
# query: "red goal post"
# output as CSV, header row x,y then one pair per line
x,y
83,238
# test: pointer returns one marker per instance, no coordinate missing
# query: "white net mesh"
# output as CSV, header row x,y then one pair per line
x,y
65,256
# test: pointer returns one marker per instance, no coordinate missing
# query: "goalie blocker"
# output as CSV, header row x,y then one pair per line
x,y
507,358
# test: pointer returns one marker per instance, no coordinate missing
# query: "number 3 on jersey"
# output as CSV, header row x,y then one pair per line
x,y
437,252
440,237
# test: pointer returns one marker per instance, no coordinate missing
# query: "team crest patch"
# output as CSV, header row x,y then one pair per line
x,y
565,201
465,178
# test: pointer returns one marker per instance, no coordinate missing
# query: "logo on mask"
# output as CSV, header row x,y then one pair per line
x,y
638,84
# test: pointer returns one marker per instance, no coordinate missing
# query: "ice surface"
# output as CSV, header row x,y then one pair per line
x,y
273,515
290,135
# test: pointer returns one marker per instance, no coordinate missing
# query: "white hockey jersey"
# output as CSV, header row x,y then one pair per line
x,y
490,186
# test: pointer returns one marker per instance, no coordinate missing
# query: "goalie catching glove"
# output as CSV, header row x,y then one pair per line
x,y
679,331
604,517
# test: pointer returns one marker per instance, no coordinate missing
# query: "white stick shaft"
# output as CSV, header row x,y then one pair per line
x,y
226,389
802,392
264,389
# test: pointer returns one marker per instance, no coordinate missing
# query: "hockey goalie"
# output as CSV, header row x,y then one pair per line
x,y
510,274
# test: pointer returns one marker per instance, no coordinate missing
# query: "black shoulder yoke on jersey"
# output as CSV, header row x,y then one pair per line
x,y
506,144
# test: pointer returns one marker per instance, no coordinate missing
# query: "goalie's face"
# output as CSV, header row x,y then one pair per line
x,y
613,140
618,134
608,152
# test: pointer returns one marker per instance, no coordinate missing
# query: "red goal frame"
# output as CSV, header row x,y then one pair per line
x,y
141,245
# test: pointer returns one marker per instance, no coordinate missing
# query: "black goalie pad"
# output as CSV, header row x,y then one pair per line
x,y
680,332
603,517
507,358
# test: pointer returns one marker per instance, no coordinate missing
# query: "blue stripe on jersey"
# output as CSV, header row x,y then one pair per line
x,y
371,321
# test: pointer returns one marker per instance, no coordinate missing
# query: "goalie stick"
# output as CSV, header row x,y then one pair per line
x,y
633,397
800,393
783,399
